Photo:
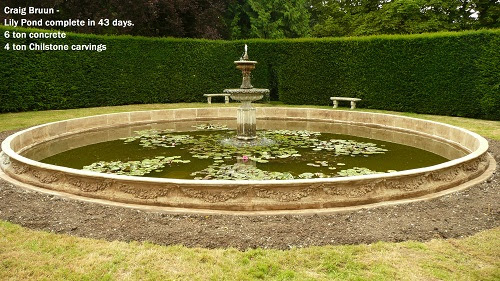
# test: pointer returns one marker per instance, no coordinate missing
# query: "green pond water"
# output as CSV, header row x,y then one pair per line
x,y
200,154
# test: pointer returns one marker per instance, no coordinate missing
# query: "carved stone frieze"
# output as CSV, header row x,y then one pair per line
x,y
5,159
44,177
405,184
145,192
90,185
284,196
446,176
350,191
475,165
20,168
215,196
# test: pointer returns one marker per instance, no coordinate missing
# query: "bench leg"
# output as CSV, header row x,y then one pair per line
x,y
335,104
226,99
353,104
209,100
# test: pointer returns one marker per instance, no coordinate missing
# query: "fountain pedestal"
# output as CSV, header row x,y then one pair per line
x,y
246,120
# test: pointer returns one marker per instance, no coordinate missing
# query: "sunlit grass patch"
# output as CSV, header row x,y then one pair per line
x,y
11,121
36,255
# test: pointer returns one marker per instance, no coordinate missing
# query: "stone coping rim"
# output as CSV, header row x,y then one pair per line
x,y
482,149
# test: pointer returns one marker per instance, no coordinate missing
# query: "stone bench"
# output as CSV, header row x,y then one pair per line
x,y
352,100
209,97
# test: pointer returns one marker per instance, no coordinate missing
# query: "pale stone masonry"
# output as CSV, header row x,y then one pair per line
x,y
254,195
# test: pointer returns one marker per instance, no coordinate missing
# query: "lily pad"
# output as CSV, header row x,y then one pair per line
x,y
356,171
134,168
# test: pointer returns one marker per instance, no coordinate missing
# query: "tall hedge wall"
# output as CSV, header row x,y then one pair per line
x,y
444,73
449,74
131,70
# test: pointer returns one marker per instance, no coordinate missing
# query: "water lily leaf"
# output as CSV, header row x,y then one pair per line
x,y
356,171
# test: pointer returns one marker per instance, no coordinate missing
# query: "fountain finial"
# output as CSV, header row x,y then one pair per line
x,y
245,56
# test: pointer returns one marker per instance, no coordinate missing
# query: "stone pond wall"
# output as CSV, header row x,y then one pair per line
x,y
248,195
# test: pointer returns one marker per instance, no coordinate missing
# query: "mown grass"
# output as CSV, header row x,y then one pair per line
x,y
38,255
11,121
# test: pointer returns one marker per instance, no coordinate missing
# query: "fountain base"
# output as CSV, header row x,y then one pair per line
x,y
246,121
246,129
256,141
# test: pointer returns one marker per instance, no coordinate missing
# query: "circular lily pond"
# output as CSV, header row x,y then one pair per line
x,y
201,150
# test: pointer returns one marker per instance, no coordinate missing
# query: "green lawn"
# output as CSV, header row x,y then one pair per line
x,y
35,255
38,255
11,121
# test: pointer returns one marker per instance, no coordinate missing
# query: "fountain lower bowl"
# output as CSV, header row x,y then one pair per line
x,y
249,195
251,94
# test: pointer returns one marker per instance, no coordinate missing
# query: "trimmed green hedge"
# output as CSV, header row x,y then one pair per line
x,y
443,73
131,70
446,73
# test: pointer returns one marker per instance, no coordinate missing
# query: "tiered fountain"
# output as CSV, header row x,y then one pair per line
x,y
246,130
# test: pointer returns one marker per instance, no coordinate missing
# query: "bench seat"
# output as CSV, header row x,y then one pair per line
x,y
352,100
209,97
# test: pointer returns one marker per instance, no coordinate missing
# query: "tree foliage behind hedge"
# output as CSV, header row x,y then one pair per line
x,y
269,19
444,73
